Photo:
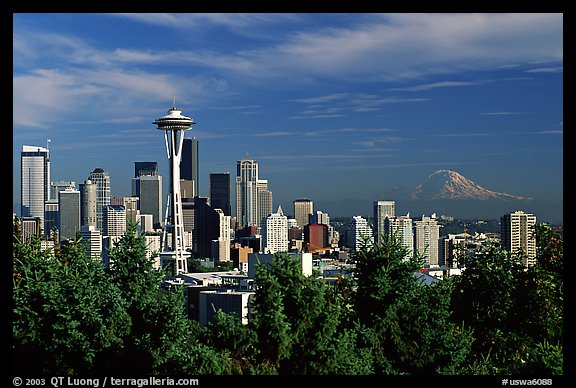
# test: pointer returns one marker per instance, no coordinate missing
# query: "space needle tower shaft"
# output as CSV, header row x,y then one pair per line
x,y
174,124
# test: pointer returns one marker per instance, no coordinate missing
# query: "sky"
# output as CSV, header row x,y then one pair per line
x,y
335,107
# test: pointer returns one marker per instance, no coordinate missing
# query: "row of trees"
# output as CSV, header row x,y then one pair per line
x,y
72,316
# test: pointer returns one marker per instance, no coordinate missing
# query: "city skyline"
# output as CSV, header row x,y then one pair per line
x,y
334,107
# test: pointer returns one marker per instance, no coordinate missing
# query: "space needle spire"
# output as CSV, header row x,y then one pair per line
x,y
172,252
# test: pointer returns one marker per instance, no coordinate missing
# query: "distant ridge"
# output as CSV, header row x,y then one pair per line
x,y
448,184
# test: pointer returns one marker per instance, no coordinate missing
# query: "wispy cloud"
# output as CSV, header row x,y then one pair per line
x,y
339,104
555,69
436,85
503,113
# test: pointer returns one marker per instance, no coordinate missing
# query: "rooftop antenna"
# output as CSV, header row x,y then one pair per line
x,y
174,101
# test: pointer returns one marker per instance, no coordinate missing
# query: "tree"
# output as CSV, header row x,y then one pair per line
x,y
65,310
299,323
407,323
516,313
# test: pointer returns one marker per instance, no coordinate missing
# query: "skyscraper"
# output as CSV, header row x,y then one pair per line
x,y
88,214
35,182
264,200
303,207
381,210
517,234
56,187
426,236
145,168
220,192
102,181
114,220
275,232
189,166
358,232
401,229
247,193
69,208
148,188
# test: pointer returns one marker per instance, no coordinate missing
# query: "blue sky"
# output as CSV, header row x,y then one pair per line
x,y
334,107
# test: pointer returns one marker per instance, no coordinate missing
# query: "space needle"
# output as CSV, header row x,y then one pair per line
x,y
172,252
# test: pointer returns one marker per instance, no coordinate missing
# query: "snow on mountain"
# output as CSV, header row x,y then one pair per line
x,y
447,184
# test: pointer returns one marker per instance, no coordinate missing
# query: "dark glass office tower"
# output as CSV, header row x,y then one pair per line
x,y
189,163
220,192
145,168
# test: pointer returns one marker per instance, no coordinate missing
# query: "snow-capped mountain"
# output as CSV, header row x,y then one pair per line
x,y
447,184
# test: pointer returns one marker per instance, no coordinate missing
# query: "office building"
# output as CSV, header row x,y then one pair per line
x,y
102,181
114,221
189,167
145,168
316,238
247,193
69,210
51,217
264,199
426,236
359,233
221,245
239,303
131,205
400,227
381,210
88,200
275,233
35,182
318,217
148,189
92,239
517,235
303,207
56,187
220,197
255,259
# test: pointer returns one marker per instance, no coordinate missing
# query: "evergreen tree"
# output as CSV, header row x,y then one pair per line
x,y
65,311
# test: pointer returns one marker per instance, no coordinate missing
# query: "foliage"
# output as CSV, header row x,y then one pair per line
x,y
408,322
298,323
71,316
516,313
65,311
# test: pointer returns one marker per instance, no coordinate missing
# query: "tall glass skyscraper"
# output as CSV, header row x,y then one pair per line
x,y
189,164
247,193
35,181
381,210
220,192
102,181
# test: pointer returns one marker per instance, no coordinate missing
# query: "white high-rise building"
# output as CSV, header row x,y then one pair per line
x,y
401,228
381,210
427,234
517,234
221,246
93,240
275,233
35,182
102,181
359,233
114,220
